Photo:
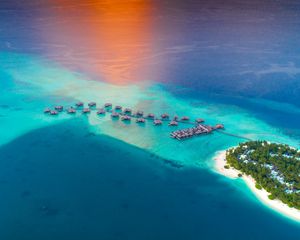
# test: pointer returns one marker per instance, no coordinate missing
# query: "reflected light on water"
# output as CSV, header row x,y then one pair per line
x,y
108,39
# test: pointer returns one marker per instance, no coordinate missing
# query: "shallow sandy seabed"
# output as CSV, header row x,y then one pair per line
x,y
36,83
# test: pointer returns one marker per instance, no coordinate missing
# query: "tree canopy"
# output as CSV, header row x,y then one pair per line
x,y
275,168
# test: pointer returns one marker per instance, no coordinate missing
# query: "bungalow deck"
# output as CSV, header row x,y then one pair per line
x,y
199,129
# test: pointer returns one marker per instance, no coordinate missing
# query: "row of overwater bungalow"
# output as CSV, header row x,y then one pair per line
x,y
127,114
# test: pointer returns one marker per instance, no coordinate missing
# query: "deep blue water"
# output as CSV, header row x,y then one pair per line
x,y
234,47
274,113
63,182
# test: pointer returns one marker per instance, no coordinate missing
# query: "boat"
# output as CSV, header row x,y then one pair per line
x,y
47,110
59,108
140,120
175,118
101,111
173,123
157,122
92,104
86,110
118,107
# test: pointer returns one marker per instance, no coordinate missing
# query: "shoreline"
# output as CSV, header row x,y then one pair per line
x,y
262,194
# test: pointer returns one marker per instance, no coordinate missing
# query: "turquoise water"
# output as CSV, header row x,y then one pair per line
x,y
32,88
75,177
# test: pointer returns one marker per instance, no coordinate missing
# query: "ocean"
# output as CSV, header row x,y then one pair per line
x,y
88,177
64,182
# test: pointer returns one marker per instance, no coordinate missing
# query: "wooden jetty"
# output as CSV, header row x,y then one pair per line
x,y
191,132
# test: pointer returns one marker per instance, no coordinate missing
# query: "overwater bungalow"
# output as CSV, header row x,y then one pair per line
x,y
47,110
190,132
127,111
185,118
59,108
173,123
219,126
165,116
125,118
101,111
53,112
126,115
86,110
71,110
107,105
92,104
139,113
150,115
199,120
157,122
140,120
79,104
115,115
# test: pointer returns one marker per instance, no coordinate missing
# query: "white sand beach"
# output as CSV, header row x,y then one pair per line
x,y
262,195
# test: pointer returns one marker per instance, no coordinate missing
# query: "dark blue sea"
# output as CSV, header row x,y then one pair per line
x,y
64,182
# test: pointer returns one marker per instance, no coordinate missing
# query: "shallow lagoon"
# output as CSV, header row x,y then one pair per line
x,y
31,88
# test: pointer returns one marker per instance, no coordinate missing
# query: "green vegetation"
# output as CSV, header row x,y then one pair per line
x,y
271,197
226,166
275,168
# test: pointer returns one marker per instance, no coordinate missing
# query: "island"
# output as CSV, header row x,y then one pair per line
x,y
271,170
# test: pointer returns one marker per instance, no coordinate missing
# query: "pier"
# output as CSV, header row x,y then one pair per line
x,y
196,127
199,129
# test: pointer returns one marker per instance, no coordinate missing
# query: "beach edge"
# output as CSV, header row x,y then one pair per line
x,y
262,195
